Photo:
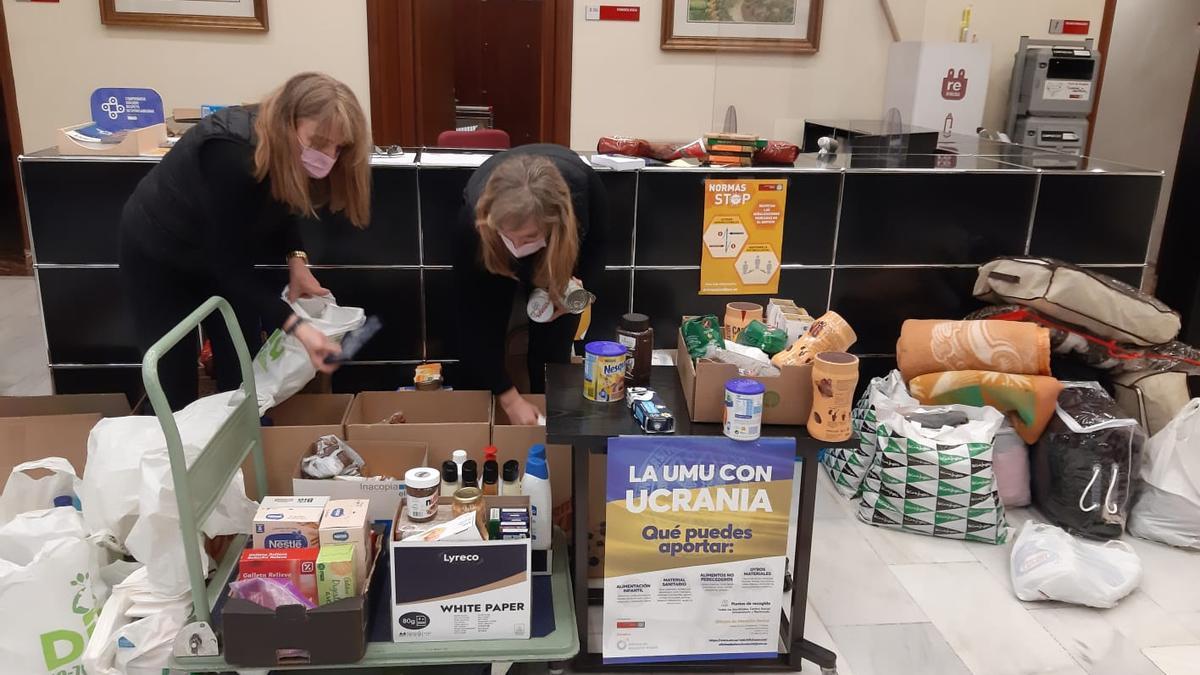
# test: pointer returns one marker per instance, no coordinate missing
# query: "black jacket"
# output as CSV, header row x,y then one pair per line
x,y
202,210
485,299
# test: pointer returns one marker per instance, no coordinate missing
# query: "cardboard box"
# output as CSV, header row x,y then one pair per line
x,y
513,441
278,502
298,423
34,427
144,141
297,565
383,458
788,399
287,527
462,590
337,573
345,521
23,439
445,420
292,635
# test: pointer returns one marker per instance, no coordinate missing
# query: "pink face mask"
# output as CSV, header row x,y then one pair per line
x,y
525,250
316,163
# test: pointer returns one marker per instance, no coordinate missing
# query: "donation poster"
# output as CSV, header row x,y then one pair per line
x,y
743,236
695,547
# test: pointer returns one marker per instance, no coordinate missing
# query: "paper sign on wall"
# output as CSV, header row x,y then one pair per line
x,y
695,548
743,236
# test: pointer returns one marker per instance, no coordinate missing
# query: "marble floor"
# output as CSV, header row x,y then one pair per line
x,y
889,603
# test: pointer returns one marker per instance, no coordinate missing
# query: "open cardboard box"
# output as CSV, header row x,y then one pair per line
x,y
513,441
292,635
383,458
788,399
144,141
297,423
33,427
445,420
486,595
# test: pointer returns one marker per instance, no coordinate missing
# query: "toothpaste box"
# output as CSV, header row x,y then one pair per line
x,y
298,500
287,527
336,574
298,565
345,522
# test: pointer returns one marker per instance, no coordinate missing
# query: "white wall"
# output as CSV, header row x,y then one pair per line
x,y
623,83
61,52
1147,83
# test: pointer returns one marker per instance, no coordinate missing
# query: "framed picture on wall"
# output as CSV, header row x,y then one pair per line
x,y
792,26
207,14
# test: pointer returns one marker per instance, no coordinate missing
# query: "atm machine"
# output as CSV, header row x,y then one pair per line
x,y
1051,94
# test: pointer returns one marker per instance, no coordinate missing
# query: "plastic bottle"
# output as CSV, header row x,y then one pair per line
x,y
491,478
459,457
536,486
512,478
450,479
470,474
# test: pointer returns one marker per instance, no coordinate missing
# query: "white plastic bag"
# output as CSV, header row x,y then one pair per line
x,y
22,537
126,642
128,488
282,366
1049,564
1168,509
55,606
848,466
31,488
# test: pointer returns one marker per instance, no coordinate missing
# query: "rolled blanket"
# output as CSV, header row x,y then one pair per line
x,y
934,346
1027,400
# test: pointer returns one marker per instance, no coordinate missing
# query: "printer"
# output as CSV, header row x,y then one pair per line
x,y
1052,93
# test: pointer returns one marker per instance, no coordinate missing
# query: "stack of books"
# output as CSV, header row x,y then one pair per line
x,y
732,149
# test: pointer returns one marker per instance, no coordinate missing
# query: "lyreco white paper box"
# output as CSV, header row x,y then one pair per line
x,y
438,591
938,85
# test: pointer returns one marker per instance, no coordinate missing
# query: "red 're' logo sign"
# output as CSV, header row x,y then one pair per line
x,y
954,87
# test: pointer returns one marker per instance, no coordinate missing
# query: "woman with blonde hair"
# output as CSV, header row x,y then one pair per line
x,y
231,193
534,217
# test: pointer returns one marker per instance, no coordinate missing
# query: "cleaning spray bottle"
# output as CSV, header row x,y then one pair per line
x,y
536,486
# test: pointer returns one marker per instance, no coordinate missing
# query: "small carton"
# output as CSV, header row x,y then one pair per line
x,y
337,575
297,565
345,522
287,527
280,502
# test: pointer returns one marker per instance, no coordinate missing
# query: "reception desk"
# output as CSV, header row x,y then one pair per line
x,y
878,238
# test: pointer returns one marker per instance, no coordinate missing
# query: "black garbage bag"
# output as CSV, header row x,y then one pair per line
x,y
1085,466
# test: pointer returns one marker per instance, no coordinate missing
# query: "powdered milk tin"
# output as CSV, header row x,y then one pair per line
x,y
604,371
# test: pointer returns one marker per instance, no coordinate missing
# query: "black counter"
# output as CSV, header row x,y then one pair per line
x,y
878,238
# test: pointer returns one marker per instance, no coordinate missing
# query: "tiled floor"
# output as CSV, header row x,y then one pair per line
x,y
890,603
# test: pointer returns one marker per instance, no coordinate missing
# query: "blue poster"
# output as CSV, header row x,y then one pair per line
x,y
124,108
695,547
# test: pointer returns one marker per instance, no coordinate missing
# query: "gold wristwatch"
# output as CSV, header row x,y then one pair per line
x,y
297,254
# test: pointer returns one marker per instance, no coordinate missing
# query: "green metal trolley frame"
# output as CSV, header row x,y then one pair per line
x,y
199,487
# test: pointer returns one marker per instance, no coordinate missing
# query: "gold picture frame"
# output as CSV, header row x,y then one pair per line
x,y
112,15
779,33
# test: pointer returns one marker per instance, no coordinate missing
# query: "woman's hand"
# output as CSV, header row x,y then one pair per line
x,y
318,346
301,282
519,410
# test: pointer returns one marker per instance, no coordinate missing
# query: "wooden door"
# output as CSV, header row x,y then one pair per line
x,y
512,54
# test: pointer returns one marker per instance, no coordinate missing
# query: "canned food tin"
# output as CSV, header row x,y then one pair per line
x,y
604,371
743,409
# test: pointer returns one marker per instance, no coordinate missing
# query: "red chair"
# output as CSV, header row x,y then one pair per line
x,y
480,139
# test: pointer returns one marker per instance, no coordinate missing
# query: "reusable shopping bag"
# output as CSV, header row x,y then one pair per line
x,y
933,473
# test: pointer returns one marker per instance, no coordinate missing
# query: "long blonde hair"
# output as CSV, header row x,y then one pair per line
x,y
331,103
520,189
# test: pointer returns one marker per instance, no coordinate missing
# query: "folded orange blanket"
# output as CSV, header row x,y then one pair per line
x,y
1027,400
934,346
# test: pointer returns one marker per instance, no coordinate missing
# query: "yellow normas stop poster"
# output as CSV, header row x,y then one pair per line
x,y
743,236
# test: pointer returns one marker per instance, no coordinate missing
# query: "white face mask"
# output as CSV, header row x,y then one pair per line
x,y
525,250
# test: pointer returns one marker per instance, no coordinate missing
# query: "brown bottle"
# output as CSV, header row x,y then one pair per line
x,y
834,376
635,333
